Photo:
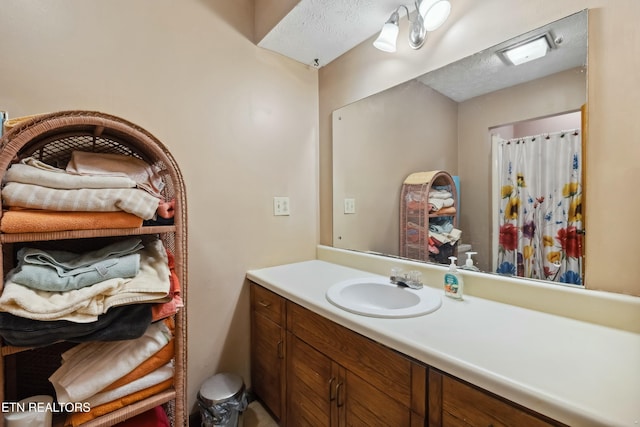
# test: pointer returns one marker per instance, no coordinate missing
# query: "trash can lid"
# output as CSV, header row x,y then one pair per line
x,y
222,387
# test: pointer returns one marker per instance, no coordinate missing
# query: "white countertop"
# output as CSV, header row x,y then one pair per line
x,y
578,373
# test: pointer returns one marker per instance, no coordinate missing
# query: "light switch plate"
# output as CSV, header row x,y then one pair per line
x,y
349,206
281,206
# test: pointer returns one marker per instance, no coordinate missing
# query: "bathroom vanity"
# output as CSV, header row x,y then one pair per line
x,y
474,362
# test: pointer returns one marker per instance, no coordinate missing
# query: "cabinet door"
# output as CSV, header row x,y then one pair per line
x,y
365,405
464,405
312,385
267,350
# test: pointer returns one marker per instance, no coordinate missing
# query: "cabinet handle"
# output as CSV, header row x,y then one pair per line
x,y
339,395
264,304
280,348
332,397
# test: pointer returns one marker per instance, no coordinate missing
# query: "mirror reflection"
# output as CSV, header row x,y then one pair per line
x,y
455,120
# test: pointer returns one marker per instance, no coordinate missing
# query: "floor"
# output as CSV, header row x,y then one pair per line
x,y
256,416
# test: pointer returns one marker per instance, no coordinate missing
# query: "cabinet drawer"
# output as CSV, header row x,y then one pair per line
x,y
464,405
267,304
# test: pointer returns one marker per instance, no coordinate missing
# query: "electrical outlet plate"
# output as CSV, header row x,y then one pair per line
x,y
349,206
281,206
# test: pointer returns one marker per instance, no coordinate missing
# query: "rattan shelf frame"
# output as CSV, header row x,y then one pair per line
x,y
51,138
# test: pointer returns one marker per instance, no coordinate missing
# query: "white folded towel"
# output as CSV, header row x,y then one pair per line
x,y
90,367
145,176
153,378
32,171
437,204
440,194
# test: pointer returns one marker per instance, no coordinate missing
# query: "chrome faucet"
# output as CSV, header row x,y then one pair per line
x,y
411,279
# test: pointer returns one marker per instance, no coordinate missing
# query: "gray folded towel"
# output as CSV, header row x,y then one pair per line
x,y
59,271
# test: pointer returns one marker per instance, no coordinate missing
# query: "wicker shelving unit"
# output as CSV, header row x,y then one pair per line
x,y
416,217
51,138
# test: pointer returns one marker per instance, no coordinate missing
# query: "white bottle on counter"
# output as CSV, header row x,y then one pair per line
x,y
453,283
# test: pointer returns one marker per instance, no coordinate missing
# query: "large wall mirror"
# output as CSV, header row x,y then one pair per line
x,y
444,120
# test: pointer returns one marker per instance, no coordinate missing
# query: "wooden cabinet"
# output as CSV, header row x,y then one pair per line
x,y
455,403
331,376
311,371
268,349
360,381
51,138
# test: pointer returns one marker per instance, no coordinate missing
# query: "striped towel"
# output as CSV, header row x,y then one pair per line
x,y
132,200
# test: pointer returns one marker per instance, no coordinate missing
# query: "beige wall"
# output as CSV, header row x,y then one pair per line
x,y
241,122
613,153
378,142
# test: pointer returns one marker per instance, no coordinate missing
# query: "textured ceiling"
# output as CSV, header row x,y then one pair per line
x,y
485,72
325,29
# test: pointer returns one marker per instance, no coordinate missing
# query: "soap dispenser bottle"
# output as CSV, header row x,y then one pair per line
x,y
453,282
468,264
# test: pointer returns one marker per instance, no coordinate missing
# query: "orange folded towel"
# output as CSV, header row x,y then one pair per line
x,y
78,418
157,360
37,220
163,310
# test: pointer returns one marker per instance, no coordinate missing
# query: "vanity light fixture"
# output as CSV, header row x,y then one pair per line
x,y
431,14
528,50
434,13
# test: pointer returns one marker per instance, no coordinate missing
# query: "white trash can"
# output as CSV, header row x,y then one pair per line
x,y
221,399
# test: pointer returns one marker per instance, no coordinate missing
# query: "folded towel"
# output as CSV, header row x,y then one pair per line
x,y
132,200
437,204
156,361
47,279
38,221
105,164
78,418
83,305
90,367
451,237
155,377
169,308
32,171
66,263
440,194
119,323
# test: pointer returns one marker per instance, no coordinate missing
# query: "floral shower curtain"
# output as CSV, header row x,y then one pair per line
x,y
540,208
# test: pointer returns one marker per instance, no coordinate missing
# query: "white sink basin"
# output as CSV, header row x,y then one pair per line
x,y
377,297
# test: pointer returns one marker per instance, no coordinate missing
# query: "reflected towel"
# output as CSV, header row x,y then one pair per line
x,y
132,200
437,204
89,367
440,194
39,221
